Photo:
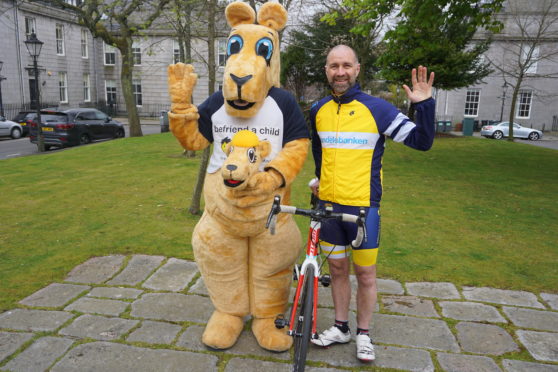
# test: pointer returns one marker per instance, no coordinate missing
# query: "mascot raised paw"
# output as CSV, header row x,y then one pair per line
x,y
260,142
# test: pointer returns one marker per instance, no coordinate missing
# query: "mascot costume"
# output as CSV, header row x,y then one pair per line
x,y
246,270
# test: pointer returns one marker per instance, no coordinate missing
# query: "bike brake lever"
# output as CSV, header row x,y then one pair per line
x,y
272,217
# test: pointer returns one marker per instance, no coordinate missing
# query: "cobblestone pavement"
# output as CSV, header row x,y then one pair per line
x,y
147,313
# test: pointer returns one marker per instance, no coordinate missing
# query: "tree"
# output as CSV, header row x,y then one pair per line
x,y
434,33
195,207
530,34
117,23
303,61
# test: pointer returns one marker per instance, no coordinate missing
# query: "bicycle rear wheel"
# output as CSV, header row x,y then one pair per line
x,y
303,328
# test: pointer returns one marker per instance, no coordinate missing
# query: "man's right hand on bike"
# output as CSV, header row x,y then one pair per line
x,y
314,185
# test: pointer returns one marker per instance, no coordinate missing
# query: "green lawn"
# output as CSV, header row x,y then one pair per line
x,y
470,211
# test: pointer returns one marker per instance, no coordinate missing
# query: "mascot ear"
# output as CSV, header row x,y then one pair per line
x,y
272,15
265,148
239,13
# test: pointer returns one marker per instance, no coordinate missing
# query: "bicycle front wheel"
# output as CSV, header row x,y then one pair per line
x,y
304,321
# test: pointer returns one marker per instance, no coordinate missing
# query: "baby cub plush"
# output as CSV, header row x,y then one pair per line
x,y
246,270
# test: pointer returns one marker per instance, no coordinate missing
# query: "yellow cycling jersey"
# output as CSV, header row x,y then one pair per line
x,y
348,143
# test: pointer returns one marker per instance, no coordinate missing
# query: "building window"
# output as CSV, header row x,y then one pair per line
x,y
84,44
531,66
524,104
30,26
472,102
222,52
86,88
176,51
63,87
136,85
110,88
136,54
110,55
60,39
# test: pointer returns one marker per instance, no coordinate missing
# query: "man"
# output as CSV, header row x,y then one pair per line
x,y
349,132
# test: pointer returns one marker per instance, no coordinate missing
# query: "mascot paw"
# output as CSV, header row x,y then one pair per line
x,y
265,182
269,337
222,330
181,82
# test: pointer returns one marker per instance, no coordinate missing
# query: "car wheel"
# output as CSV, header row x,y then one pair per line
x,y
47,147
84,139
119,133
15,133
534,136
498,135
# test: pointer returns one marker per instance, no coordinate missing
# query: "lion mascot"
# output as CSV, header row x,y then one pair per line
x,y
247,270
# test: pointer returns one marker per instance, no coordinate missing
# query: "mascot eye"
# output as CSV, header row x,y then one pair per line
x,y
264,48
252,155
234,45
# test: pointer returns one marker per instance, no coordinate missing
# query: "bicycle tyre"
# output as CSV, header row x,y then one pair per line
x,y
303,328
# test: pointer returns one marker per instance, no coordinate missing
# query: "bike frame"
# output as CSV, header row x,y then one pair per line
x,y
312,253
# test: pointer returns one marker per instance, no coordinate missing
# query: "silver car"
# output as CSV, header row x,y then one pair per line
x,y
10,128
501,130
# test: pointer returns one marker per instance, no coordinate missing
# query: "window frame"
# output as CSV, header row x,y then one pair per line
x,y
84,44
30,26
136,54
472,105
63,86
109,50
221,52
60,43
113,91
175,51
525,48
86,88
521,104
138,94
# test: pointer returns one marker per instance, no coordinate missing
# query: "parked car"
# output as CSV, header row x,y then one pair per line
x,y
501,130
75,127
22,117
10,128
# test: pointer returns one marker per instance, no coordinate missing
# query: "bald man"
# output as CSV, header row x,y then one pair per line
x,y
349,135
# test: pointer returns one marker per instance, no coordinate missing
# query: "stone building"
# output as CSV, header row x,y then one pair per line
x,y
490,100
79,70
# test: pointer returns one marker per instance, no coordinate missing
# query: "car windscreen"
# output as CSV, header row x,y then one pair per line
x,y
54,118
20,117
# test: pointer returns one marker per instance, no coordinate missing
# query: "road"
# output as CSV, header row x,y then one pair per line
x,y
10,148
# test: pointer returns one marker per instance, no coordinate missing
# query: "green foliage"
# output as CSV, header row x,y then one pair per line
x,y
470,211
304,58
434,33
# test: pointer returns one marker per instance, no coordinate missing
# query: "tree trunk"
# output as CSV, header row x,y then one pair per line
x,y
196,198
125,48
512,108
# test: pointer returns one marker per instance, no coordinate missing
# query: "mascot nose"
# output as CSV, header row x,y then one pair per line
x,y
240,81
231,167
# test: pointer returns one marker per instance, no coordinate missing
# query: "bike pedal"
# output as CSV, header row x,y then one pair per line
x,y
325,280
280,321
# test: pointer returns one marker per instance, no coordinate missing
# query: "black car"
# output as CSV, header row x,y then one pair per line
x,y
75,127
22,117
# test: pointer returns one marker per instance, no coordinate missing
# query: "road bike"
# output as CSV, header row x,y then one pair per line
x,y
304,311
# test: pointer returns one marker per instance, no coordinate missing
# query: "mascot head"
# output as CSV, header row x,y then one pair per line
x,y
253,65
244,155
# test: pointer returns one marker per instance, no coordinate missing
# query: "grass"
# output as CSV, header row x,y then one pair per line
x,y
470,211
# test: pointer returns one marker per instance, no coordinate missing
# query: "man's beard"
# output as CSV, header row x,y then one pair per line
x,y
341,87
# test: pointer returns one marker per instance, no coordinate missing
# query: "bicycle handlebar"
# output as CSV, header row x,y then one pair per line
x,y
319,215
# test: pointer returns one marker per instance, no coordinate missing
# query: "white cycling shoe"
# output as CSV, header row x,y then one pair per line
x,y
331,336
365,349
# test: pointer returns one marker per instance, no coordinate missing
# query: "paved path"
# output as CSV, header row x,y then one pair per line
x,y
147,313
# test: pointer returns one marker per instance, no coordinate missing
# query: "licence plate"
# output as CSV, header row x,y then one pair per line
x,y
23,124
47,129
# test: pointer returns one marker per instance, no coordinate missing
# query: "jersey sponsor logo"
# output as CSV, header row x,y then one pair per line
x,y
267,124
349,140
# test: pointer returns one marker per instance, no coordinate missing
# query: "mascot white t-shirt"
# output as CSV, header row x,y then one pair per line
x,y
278,121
